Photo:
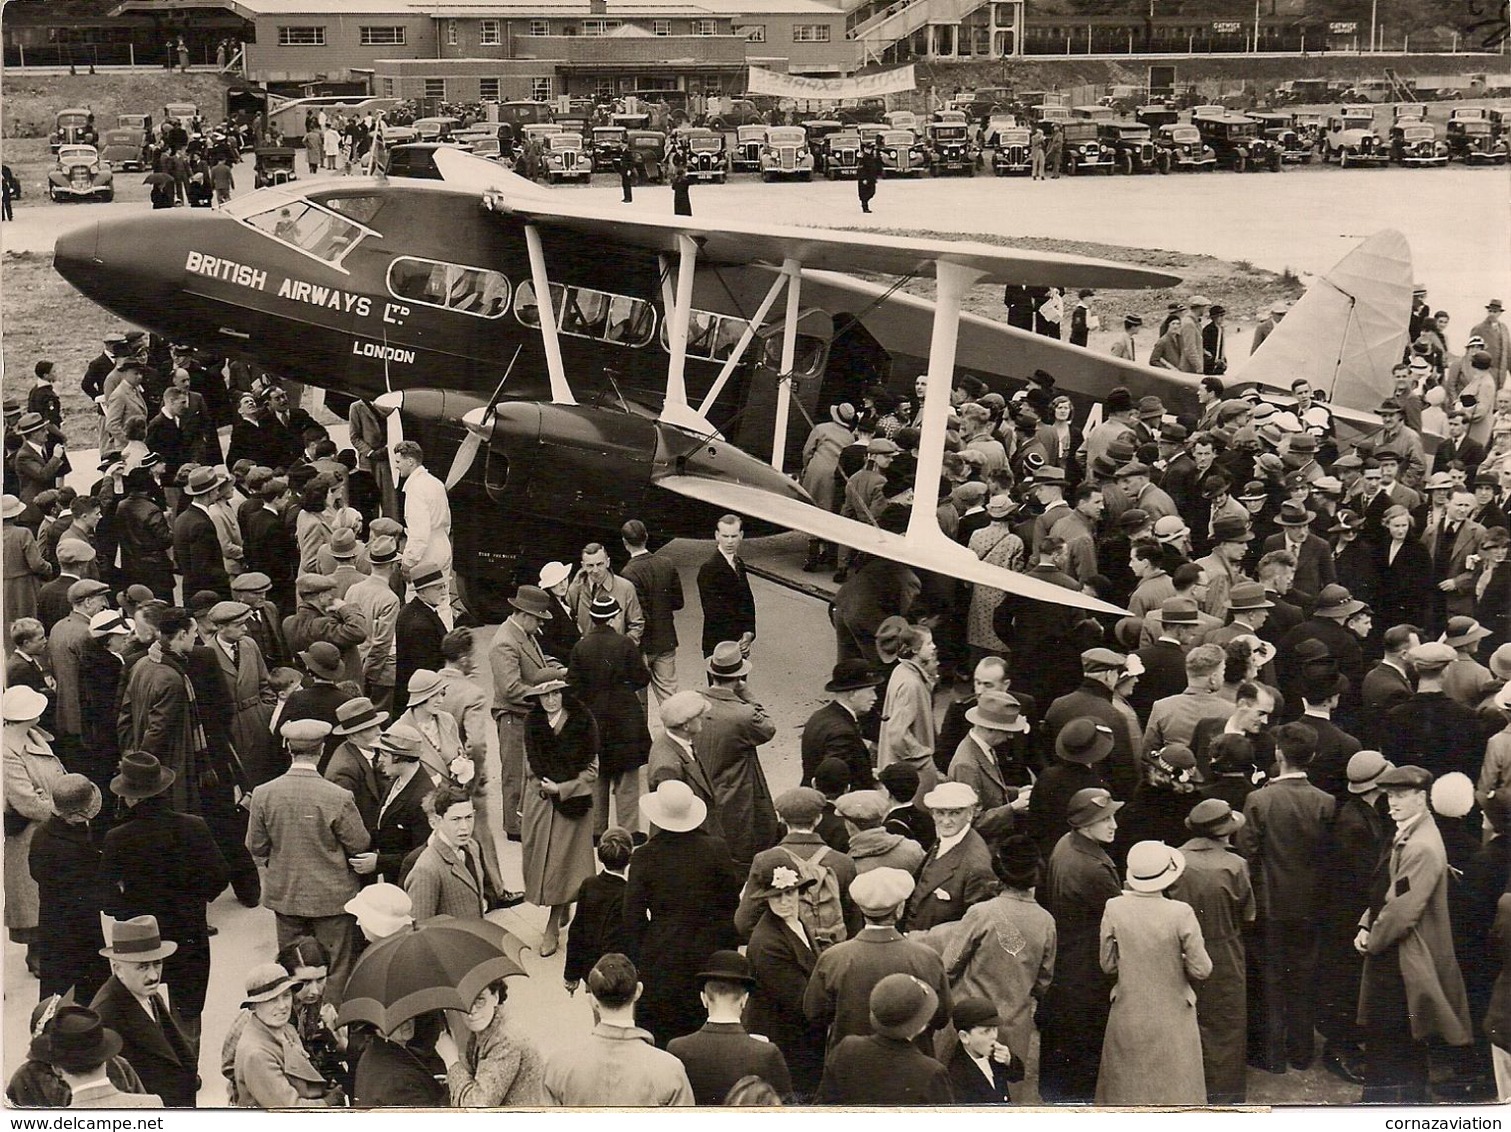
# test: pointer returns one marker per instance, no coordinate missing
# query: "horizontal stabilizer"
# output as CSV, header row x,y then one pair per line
x,y
941,556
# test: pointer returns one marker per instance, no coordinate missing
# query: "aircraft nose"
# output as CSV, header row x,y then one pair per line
x,y
74,254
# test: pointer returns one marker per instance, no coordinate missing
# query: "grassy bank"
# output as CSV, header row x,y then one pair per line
x,y
31,101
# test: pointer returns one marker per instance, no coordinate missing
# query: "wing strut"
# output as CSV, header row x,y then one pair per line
x,y
731,362
678,303
561,390
793,270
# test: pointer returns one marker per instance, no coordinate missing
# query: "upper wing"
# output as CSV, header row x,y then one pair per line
x,y
939,555
736,242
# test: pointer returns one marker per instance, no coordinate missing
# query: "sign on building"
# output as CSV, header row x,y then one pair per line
x,y
1226,27
894,81
1343,27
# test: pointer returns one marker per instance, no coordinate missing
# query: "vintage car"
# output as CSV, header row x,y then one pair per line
x,y
901,120
1047,113
841,155
1311,125
817,129
1280,129
609,143
487,146
523,113
436,129
870,111
74,126
902,154
747,151
785,153
79,174
416,159
1155,115
141,122
575,124
648,152
738,112
1350,138
1473,141
1010,151
872,131
1415,142
1132,144
1085,151
1496,118
184,113
125,150
1409,110
1093,113
996,124
704,151
276,165
540,131
640,121
948,147
565,158
1237,142
1180,147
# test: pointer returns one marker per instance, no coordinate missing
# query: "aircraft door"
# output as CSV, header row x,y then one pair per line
x,y
757,423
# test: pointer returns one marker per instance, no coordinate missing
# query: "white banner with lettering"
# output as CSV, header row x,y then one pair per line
x,y
894,81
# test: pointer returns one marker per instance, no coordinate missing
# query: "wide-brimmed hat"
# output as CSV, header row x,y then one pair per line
x,y
851,674
21,704
1179,610
403,742
1089,806
1494,305
381,908
428,576
773,873
1213,817
1262,651
205,479
1084,741
266,981
357,714
728,661
728,967
545,687
1463,632
137,940
1153,866
532,600
553,574
1170,529
141,776
674,807
900,1005
998,711
423,684
75,1041
1294,515
382,550
889,638
75,794
322,659
30,422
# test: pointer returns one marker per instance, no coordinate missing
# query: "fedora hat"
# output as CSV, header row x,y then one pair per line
x,y
1084,741
21,704
997,711
357,714
1294,515
532,600
1231,528
10,506
423,684
674,807
204,479
1213,817
137,940
728,967
141,776
75,1041
343,544
322,659
1464,632
727,661
900,1005
30,422
1248,596
382,550
1153,866
266,981
403,742
429,576
850,675
75,794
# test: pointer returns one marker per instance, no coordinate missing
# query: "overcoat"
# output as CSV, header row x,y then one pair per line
x,y
160,1053
30,771
557,847
273,1071
246,681
146,542
1151,1053
728,605
24,570
607,670
719,1054
908,733
1004,952
402,825
782,964
669,759
418,633
728,750
158,717
65,863
821,458
839,990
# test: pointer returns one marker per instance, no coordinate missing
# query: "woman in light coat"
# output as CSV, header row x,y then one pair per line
x,y
31,770
271,1069
1151,1052
996,545
25,567
556,821
908,733
319,512
497,1067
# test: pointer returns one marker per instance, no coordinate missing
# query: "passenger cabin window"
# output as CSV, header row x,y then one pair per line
x,y
709,335
313,229
450,286
583,312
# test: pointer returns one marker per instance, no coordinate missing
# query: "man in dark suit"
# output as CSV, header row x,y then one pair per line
x,y
1102,672
721,1053
1389,682
153,1037
990,675
958,869
729,612
1334,607
1043,636
1277,574
403,826
981,1067
1165,661
196,545
265,624
1449,544
1329,768
359,724
1314,558
1431,729
268,548
75,561
659,587
166,437
834,731
1458,445
607,670
418,633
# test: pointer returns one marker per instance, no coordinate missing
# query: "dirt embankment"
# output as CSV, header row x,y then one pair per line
x,y
32,100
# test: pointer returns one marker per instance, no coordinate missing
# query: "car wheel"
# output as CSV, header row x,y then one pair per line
x,y
808,176
765,177
831,175
1240,163
1276,164
1125,166
1163,163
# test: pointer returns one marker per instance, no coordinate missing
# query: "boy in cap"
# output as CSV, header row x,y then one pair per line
x,y
721,1053
981,1067
884,1067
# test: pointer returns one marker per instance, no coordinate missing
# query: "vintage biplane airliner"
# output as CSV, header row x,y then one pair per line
x,y
645,384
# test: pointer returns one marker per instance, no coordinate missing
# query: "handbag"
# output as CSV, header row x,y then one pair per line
x,y
577,806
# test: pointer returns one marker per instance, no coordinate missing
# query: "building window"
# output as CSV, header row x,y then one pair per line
x,y
540,27
382,36
810,33
600,27
450,33
753,33
487,90
435,88
705,27
604,90
388,88
301,37
540,89
488,33
661,27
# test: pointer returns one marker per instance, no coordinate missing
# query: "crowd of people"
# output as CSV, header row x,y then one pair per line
x,y
1138,858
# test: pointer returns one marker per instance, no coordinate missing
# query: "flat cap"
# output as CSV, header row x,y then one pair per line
x,y
229,612
801,805
863,806
251,582
86,588
881,890
1405,778
75,550
313,584
1102,660
305,730
951,796
1432,655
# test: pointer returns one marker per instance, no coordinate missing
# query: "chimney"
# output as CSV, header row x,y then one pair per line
x,y
598,7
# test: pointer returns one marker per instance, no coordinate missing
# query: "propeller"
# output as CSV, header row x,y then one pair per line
x,y
478,422
391,404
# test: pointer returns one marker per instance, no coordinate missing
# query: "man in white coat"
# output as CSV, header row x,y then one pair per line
x,y
427,522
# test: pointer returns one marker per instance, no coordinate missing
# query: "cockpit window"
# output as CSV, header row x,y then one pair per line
x,y
450,286
359,208
312,229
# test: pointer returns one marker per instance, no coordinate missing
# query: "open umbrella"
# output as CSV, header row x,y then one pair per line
x,y
440,964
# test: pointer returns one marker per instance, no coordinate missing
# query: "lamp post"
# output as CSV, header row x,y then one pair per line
x,y
1374,7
